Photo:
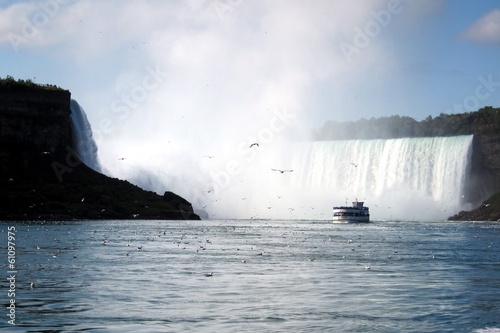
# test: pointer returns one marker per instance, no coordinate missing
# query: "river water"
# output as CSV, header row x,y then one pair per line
x,y
266,276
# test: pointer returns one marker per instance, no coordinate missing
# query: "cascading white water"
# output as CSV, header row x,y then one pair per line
x,y
433,166
411,178
83,141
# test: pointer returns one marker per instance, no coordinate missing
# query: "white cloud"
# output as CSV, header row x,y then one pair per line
x,y
486,30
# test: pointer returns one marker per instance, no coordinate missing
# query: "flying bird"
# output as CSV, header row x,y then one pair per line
x,y
282,171
355,165
254,144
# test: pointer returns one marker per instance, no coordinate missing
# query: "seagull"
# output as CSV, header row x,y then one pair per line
x,y
121,158
209,274
209,156
46,153
56,253
282,171
355,165
254,144
32,285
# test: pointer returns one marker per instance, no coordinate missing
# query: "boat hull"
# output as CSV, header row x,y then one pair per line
x,y
355,214
351,220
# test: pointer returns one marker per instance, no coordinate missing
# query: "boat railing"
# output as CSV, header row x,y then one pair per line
x,y
350,207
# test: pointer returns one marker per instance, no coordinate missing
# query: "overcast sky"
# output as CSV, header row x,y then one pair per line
x,y
209,75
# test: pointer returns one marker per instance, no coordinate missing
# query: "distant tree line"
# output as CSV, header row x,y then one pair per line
x,y
10,83
485,120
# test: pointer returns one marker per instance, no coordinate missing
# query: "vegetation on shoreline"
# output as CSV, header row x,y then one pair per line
x,y
25,85
485,120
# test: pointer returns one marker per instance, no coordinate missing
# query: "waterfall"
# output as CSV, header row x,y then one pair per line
x,y
411,176
407,179
398,179
83,141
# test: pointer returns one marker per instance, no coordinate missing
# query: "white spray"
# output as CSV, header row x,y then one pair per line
x,y
407,179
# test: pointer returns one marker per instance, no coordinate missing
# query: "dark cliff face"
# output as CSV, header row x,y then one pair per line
x,y
42,178
485,168
39,118
489,145
33,122
483,186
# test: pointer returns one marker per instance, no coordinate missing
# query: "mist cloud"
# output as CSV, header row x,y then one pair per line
x,y
225,69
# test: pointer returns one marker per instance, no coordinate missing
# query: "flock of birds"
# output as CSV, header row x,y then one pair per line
x,y
253,145
281,171
248,241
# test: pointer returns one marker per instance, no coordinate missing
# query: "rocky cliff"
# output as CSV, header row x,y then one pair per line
x,y
485,168
41,176
483,186
32,122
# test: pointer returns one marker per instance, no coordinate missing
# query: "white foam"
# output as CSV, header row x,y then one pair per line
x,y
488,330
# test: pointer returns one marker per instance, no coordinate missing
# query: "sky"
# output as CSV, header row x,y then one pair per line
x,y
165,84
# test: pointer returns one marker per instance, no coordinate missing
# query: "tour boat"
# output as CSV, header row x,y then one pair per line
x,y
356,213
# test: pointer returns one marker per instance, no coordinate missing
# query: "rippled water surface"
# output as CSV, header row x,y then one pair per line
x,y
270,276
